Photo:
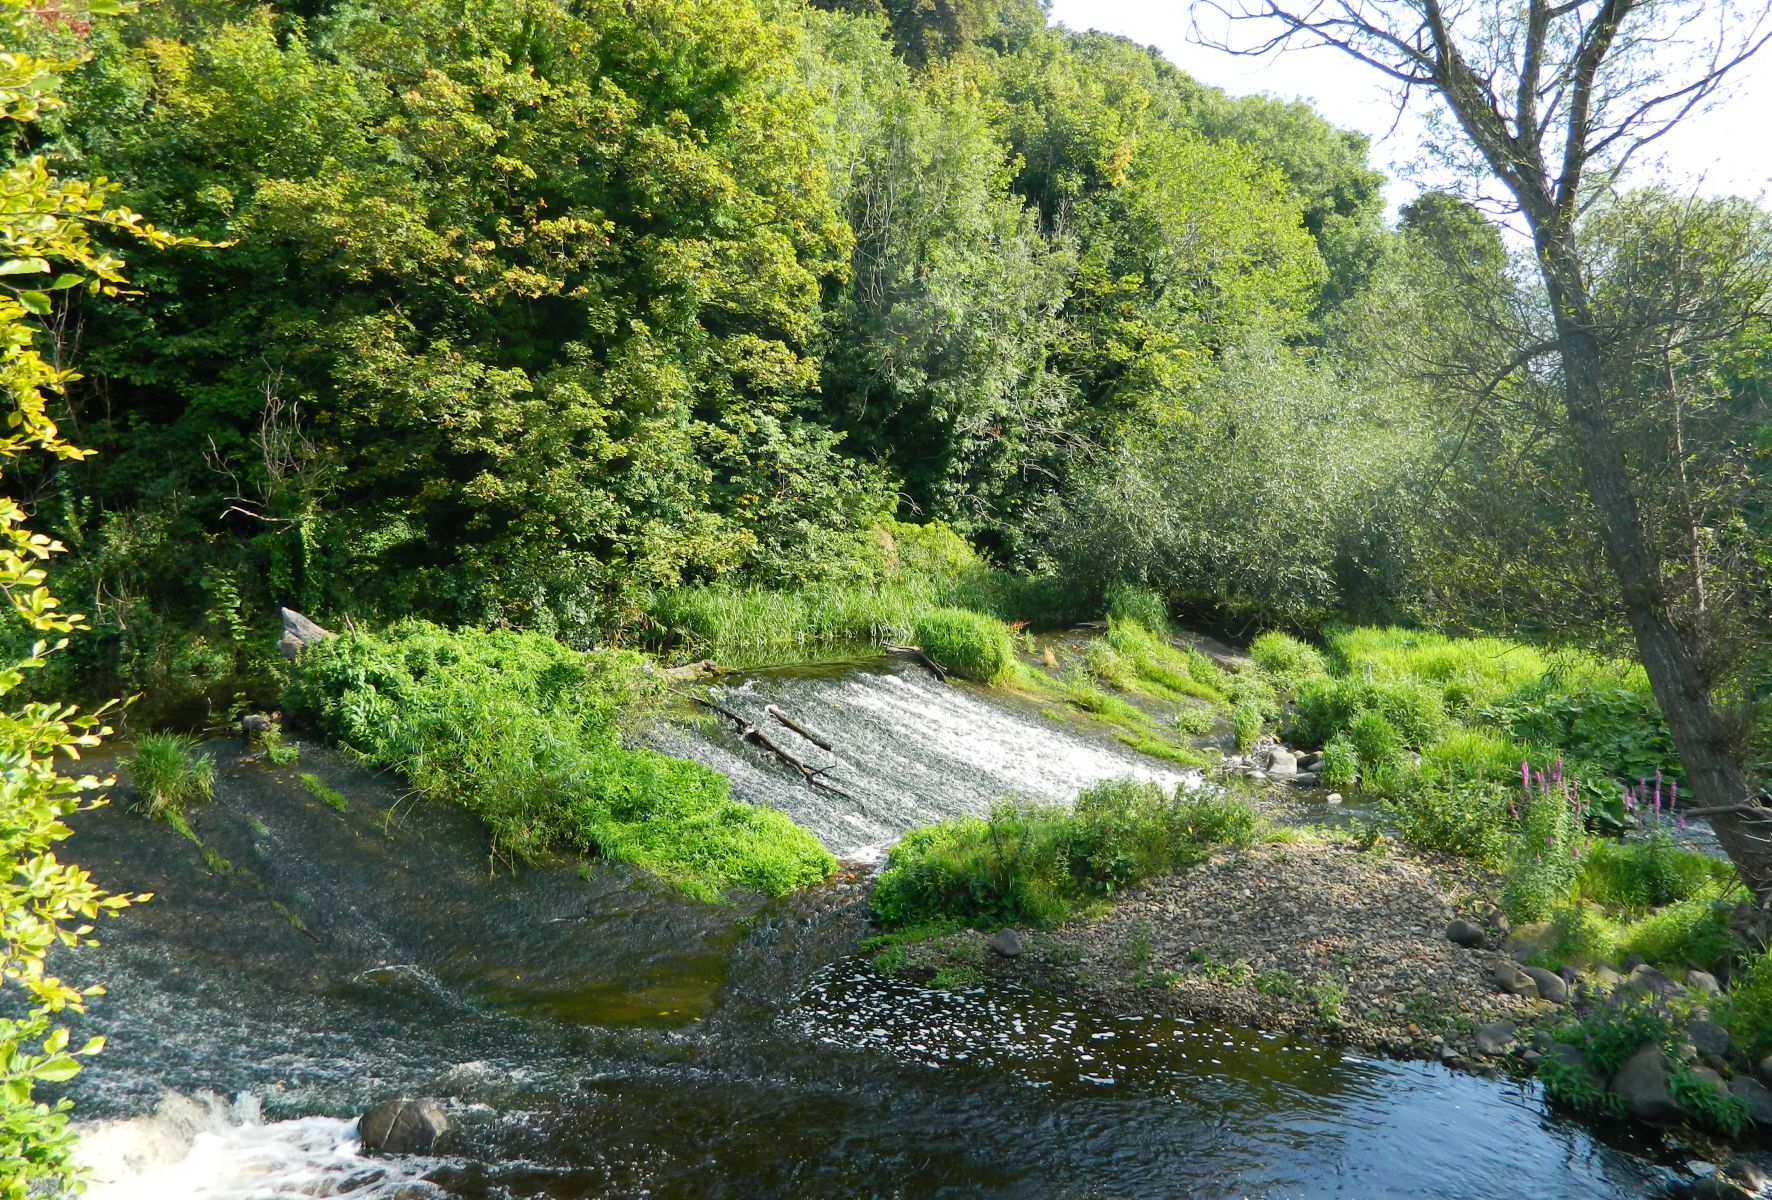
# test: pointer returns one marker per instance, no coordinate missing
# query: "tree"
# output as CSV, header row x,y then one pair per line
x,y
1554,100
46,251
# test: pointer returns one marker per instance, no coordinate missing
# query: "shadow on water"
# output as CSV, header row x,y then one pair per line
x,y
597,1035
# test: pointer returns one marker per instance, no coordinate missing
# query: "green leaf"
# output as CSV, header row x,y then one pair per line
x,y
63,281
57,1070
23,266
35,302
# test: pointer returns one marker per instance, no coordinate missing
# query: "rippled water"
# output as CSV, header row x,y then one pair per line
x,y
602,1036
907,750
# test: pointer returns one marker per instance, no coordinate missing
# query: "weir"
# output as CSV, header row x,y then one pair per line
x,y
591,1033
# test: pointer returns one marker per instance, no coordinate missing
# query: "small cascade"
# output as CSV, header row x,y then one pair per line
x,y
907,750
203,1147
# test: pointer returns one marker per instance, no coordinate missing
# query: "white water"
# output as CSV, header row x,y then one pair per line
x,y
204,1148
907,749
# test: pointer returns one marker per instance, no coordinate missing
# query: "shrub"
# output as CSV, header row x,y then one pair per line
x,y
967,644
1375,740
1247,722
522,731
1544,863
169,774
1640,875
1036,865
1748,1010
1322,708
1107,666
1467,820
1414,710
1607,1035
1126,602
1286,660
1341,763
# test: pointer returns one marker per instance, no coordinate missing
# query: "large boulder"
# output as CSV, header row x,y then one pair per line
x,y
1641,1085
1495,1039
1551,986
1281,763
1703,981
1645,978
1755,1097
1708,1038
402,1127
1006,942
1462,933
299,633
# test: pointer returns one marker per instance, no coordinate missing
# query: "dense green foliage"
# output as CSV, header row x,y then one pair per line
x,y
526,315
522,732
1029,865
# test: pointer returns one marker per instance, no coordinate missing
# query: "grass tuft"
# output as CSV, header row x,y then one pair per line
x,y
169,773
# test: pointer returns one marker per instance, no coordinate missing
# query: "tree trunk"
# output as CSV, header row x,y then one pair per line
x,y
1714,775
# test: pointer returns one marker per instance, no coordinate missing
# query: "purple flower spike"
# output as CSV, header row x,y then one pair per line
x,y
1557,769
1525,775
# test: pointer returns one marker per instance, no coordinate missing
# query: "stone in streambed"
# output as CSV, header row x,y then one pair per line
x,y
1493,1040
1708,1038
1281,763
1304,779
402,1127
1641,1085
1511,979
1755,1097
1703,981
1766,1069
1006,942
1551,986
1463,933
1645,978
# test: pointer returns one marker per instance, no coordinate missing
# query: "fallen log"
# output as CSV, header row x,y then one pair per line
x,y
812,775
816,738
914,652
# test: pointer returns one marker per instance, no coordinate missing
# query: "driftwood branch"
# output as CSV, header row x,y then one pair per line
x,y
813,736
750,733
1758,811
913,652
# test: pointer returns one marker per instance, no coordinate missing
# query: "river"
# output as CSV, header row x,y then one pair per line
x,y
594,1034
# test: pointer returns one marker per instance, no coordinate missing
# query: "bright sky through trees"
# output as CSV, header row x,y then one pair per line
x,y
1725,151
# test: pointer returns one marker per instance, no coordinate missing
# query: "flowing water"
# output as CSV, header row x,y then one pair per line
x,y
595,1035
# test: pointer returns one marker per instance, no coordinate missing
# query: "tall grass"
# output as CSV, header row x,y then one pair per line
x,y
965,643
1032,865
758,626
522,731
169,773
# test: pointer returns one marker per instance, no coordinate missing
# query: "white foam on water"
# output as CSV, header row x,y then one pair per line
x,y
204,1147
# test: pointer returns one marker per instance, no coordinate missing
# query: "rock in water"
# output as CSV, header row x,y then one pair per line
x,y
1641,1084
1282,763
299,633
1007,943
1462,933
402,1127
1551,986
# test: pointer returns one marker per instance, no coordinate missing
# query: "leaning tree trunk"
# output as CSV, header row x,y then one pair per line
x,y
1714,774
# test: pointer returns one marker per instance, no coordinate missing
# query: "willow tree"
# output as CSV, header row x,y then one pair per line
x,y
1554,100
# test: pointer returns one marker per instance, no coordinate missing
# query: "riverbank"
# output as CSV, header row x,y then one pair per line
x,y
1312,936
